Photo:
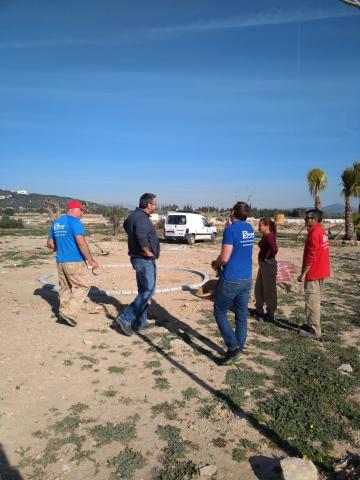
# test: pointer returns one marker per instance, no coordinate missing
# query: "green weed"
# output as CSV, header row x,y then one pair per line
x,y
126,463
122,432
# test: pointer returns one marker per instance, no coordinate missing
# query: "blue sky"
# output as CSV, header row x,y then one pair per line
x,y
201,102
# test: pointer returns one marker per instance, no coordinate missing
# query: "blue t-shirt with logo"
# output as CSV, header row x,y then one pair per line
x,y
241,236
63,232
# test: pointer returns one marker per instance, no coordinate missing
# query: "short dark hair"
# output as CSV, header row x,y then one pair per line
x,y
318,214
145,199
241,210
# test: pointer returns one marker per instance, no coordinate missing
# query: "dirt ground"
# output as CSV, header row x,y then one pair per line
x,y
93,375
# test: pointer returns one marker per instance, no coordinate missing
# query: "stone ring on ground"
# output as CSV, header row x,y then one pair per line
x,y
95,291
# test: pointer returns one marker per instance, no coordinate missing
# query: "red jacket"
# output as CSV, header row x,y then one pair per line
x,y
316,253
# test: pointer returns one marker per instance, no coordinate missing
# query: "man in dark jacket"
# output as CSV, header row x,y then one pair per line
x,y
144,249
315,268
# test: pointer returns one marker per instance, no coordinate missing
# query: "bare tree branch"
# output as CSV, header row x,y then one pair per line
x,y
52,209
353,3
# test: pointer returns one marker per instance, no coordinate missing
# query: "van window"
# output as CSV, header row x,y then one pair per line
x,y
176,220
205,222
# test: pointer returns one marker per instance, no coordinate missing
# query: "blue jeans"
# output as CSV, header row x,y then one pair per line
x,y
136,312
234,292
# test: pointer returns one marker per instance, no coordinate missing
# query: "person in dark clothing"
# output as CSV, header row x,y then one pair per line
x,y
144,250
265,285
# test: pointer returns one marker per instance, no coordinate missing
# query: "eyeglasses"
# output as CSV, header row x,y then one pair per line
x,y
309,218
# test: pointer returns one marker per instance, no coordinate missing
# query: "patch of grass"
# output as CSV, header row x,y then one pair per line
x,y
239,455
98,330
82,455
125,400
174,469
126,463
122,432
248,445
89,359
40,434
78,408
161,383
190,393
117,370
206,410
126,353
68,424
167,409
245,378
315,393
158,373
152,364
109,393
87,366
68,362
267,362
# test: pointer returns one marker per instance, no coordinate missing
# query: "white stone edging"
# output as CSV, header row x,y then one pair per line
x,y
194,286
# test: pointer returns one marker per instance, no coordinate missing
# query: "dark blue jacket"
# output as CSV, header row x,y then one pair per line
x,y
141,233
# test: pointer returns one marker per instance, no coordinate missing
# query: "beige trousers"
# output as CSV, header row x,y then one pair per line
x,y
74,287
313,293
265,287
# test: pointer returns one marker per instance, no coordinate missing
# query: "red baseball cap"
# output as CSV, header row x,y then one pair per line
x,y
75,204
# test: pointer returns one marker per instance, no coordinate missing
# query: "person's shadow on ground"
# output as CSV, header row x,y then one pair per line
x,y
6,471
184,331
52,298
265,468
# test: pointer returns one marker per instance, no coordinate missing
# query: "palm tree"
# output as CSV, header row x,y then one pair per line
x,y
348,182
356,166
317,181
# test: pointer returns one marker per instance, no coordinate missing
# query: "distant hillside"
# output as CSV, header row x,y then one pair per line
x,y
36,201
337,208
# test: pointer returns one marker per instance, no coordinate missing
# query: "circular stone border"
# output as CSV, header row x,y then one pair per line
x,y
95,291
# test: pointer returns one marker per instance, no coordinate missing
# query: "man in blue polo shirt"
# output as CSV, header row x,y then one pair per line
x,y
66,238
234,265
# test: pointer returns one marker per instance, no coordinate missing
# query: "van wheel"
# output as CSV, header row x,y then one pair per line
x,y
191,240
213,237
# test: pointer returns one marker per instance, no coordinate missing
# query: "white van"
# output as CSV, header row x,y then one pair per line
x,y
189,227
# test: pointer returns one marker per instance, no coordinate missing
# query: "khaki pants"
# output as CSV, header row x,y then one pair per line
x,y
265,287
313,293
74,287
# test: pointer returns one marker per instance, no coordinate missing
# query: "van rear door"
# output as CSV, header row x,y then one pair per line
x,y
175,226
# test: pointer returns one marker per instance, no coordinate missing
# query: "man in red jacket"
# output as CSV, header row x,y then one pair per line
x,y
315,268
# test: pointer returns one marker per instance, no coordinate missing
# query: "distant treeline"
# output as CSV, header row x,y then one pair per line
x,y
121,211
255,212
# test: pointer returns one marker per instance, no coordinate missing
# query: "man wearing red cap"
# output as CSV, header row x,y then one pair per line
x,y
66,238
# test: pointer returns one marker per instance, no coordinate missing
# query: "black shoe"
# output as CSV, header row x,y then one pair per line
x,y
310,333
68,320
232,357
259,317
269,317
124,326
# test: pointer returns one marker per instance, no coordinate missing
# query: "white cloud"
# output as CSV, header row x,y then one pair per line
x,y
278,17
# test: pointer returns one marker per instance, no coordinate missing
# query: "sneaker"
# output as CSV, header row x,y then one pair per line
x,y
124,326
310,333
232,357
68,320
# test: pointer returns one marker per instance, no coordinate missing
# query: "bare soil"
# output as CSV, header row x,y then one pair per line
x,y
48,367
